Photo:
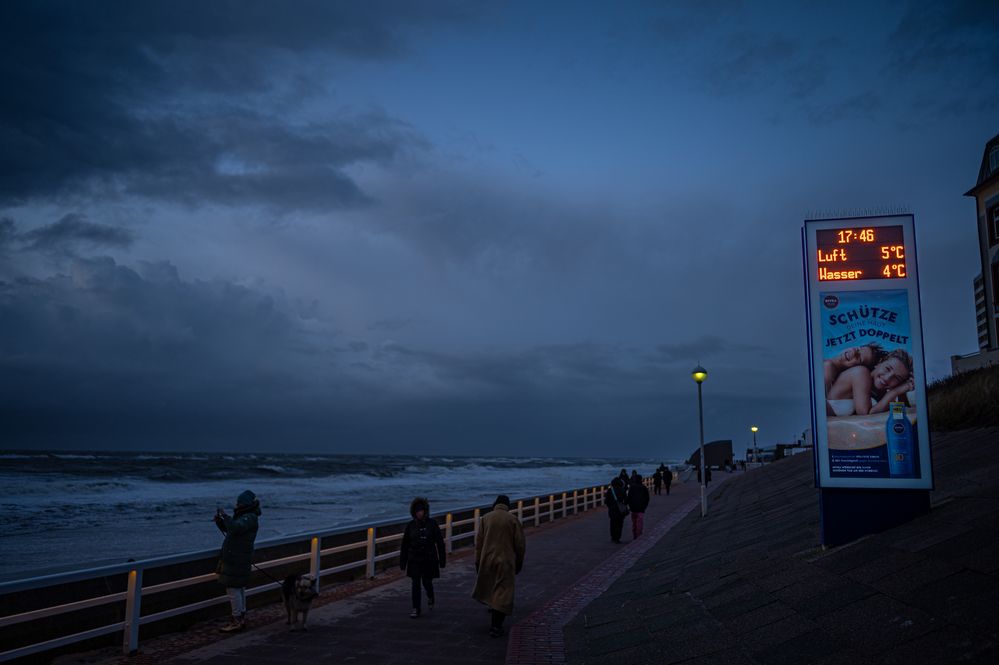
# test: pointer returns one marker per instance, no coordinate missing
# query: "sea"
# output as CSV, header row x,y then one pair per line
x,y
69,510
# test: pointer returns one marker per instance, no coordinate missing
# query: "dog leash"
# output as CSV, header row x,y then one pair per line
x,y
272,578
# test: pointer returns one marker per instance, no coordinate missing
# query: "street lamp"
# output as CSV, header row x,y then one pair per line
x,y
756,451
699,374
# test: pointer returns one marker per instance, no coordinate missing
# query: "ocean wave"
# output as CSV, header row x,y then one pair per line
x,y
274,469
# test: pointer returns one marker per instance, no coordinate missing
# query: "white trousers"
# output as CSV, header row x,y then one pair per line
x,y
237,598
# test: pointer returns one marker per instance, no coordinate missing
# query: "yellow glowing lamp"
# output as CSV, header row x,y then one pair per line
x,y
754,429
699,374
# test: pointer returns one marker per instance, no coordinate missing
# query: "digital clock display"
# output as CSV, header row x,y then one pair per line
x,y
876,252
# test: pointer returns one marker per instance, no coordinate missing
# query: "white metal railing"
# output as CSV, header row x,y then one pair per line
x,y
580,500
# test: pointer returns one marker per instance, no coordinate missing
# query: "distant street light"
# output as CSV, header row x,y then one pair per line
x,y
699,374
756,450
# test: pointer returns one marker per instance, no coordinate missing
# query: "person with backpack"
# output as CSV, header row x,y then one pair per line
x,y
616,500
638,501
422,554
657,482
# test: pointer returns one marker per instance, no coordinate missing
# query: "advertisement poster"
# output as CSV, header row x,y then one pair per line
x,y
869,380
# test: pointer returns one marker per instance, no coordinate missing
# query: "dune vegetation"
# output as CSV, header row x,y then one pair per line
x,y
965,401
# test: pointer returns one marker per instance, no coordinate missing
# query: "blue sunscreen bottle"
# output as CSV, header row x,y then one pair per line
x,y
900,443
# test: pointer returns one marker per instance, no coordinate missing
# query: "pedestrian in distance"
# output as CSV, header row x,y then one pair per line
x,y
625,481
657,482
616,500
499,558
667,479
236,556
638,501
422,553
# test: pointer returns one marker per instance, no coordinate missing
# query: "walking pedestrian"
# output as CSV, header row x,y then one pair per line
x,y
657,482
499,558
616,500
236,556
422,553
667,479
638,501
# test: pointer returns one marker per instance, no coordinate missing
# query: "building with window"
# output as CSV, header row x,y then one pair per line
x,y
986,287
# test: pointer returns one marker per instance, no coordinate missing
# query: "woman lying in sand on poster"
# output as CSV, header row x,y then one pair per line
x,y
868,355
872,390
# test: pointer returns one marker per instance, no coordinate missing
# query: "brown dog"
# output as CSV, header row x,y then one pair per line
x,y
299,591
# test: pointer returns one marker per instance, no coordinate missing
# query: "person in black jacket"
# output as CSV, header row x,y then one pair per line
x,y
667,479
422,555
616,501
657,482
638,501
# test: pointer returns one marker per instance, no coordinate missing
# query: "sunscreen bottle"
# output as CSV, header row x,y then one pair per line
x,y
900,444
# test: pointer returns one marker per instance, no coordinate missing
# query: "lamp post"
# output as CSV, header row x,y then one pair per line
x,y
756,451
699,374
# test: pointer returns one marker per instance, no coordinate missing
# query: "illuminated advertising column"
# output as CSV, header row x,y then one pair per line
x,y
868,387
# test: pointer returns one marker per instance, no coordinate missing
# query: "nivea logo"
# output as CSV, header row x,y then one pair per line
x,y
831,301
898,428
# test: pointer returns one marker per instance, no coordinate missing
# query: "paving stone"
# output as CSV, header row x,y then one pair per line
x,y
804,648
874,624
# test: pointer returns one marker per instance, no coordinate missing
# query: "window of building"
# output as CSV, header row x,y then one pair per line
x,y
992,222
994,159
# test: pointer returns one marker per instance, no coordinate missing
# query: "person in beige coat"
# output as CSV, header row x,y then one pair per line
x,y
499,556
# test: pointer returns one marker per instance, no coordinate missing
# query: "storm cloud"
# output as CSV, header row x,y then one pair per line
x,y
73,229
371,226
188,101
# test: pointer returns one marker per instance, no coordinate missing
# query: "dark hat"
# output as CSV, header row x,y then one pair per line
x,y
246,498
502,499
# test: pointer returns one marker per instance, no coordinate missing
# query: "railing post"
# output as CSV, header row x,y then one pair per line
x,y
537,510
563,505
575,502
598,496
551,507
520,511
133,607
448,530
476,519
314,560
369,568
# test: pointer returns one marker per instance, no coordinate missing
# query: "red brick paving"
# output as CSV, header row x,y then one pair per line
x,y
539,637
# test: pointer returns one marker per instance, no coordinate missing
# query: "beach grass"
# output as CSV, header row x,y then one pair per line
x,y
965,401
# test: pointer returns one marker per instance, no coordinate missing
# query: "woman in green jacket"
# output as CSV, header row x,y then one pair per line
x,y
236,556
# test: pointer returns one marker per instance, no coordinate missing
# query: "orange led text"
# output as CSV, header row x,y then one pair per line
x,y
825,274
838,254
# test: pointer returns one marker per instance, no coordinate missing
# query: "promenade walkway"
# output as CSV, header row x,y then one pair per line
x,y
373,626
749,584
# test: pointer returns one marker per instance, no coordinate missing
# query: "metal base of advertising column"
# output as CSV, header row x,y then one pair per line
x,y
848,514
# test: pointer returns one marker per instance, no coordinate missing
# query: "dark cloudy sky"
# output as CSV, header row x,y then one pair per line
x,y
482,228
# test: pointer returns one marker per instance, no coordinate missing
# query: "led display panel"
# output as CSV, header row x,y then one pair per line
x,y
867,376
